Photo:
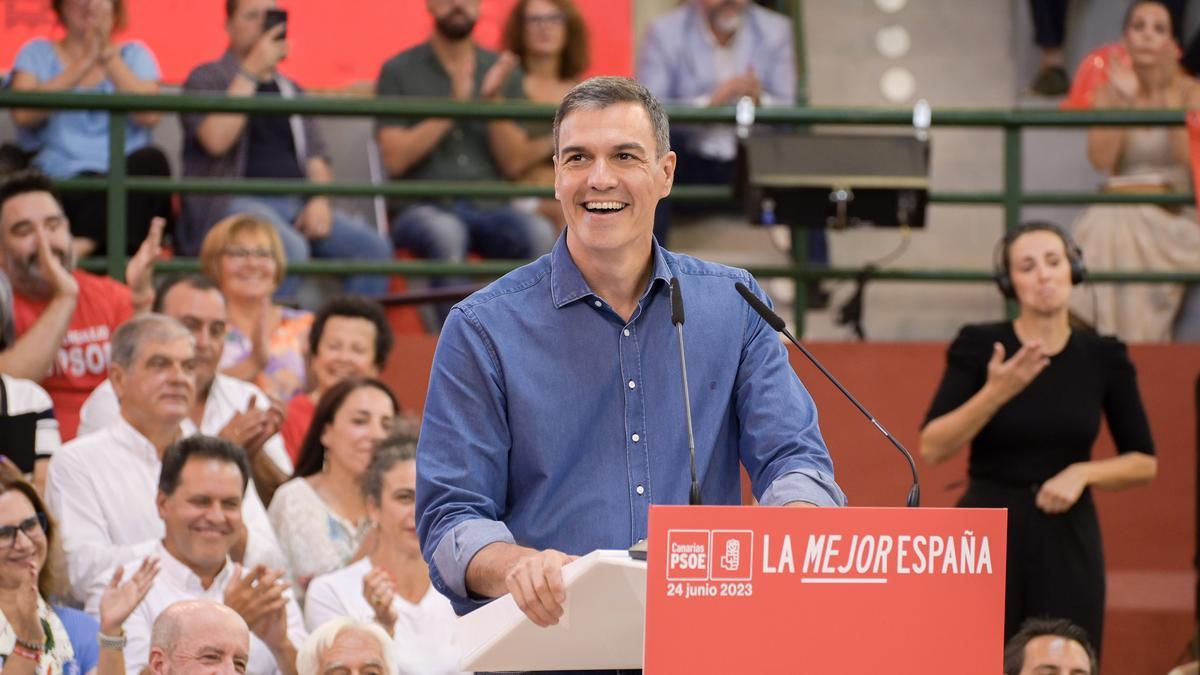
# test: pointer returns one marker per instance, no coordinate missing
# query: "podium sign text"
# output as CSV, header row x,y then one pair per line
x,y
858,590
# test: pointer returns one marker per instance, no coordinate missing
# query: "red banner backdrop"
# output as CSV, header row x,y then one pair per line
x,y
333,43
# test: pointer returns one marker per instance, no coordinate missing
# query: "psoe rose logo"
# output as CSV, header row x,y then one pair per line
x,y
733,551
688,556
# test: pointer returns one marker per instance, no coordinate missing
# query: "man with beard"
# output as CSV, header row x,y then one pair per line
x,y
267,146
451,65
32,224
200,503
225,406
101,486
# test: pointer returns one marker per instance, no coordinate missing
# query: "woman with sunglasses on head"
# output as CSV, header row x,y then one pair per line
x,y
36,637
1027,396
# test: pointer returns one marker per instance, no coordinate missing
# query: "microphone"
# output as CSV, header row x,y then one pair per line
x,y
677,319
774,321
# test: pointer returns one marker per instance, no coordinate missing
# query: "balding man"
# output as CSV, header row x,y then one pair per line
x,y
199,636
101,487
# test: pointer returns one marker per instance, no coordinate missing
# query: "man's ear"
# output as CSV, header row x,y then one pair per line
x,y
667,165
161,502
116,375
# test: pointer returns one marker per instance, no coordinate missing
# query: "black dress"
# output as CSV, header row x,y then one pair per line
x,y
1055,561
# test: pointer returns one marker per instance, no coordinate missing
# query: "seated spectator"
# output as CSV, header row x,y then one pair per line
x,y
200,502
267,146
1045,646
391,587
31,356
265,342
225,406
320,516
33,230
71,143
38,637
550,40
198,637
101,486
343,645
350,337
1136,237
451,65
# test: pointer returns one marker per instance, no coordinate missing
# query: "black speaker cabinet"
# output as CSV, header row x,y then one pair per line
x,y
834,180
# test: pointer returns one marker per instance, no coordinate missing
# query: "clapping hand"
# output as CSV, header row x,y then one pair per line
x,y
497,75
380,592
53,269
120,599
139,271
251,429
26,623
258,596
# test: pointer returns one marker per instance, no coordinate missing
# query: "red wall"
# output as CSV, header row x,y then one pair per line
x,y
1149,532
333,43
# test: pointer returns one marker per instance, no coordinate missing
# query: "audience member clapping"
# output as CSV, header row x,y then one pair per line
x,y
75,142
391,586
36,255
451,65
101,487
200,502
225,406
350,337
1142,159
37,637
550,39
267,146
347,647
199,637
320,515
265,343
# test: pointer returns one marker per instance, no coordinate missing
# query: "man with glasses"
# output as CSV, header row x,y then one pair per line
x,y
101,486
225,406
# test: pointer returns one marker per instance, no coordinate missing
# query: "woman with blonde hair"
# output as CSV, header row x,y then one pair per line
x,y
265,343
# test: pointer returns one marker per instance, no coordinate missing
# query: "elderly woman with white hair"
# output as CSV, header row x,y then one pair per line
x,y
346,646
390,587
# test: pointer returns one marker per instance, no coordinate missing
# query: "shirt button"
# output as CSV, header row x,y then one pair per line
x,y
599,304
632,384
626,332
636,438
640,490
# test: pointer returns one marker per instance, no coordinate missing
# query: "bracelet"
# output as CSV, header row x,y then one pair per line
x,y
24,652
109,642
30,646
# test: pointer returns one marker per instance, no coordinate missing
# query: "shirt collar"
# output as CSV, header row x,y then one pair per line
x,y
129,438
179,575
567,284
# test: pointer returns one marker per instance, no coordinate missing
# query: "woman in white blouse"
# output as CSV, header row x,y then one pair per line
x,y
391,586
320,516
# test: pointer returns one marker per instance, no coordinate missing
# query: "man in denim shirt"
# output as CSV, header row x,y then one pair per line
x,y
555,410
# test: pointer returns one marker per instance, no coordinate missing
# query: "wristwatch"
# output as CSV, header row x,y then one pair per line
x,y
109,642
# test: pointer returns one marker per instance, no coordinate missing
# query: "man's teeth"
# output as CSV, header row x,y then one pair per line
x,y
604,206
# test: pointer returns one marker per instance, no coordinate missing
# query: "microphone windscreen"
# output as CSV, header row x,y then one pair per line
x,y
676,302
773,320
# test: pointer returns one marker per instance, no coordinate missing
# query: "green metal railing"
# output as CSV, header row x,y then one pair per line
x,y
1010,198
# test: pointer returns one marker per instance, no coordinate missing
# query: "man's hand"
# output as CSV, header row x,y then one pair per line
x,y
746,84
120,599
139,271
52,269
255,594
497,75
536,584
316,218
266,53
251,429
462,80
1060,493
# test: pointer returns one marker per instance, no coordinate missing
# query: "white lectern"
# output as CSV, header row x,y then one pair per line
x,y
602,627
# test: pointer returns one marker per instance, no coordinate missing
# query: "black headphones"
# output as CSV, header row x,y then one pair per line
x,y
1000,271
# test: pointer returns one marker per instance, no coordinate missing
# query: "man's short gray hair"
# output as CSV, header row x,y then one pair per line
x,y
141,329
169,626
598,93
308,661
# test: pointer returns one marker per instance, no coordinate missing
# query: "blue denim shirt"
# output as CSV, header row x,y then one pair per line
x,y
553,423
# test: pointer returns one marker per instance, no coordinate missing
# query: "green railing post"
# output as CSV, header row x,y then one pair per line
x,y
116,196
1012,190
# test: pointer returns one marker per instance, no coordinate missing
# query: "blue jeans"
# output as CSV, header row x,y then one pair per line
x,y
348,238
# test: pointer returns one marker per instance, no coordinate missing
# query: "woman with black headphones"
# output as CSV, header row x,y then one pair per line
x,y
1028,395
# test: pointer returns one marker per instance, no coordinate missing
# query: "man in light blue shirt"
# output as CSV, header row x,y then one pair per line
x,y
555,408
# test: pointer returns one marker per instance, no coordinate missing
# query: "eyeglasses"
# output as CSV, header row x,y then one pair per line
x,y
547,20
244,252
34,527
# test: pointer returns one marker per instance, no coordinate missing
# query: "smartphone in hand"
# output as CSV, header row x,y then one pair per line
x,y
274,17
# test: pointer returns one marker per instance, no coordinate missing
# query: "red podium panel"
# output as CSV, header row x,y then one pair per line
x,y
740,589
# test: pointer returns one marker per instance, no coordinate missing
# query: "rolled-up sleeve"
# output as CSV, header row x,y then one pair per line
x,y
462,462
780,440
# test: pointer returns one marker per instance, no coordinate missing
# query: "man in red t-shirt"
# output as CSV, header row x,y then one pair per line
x,y
31,218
